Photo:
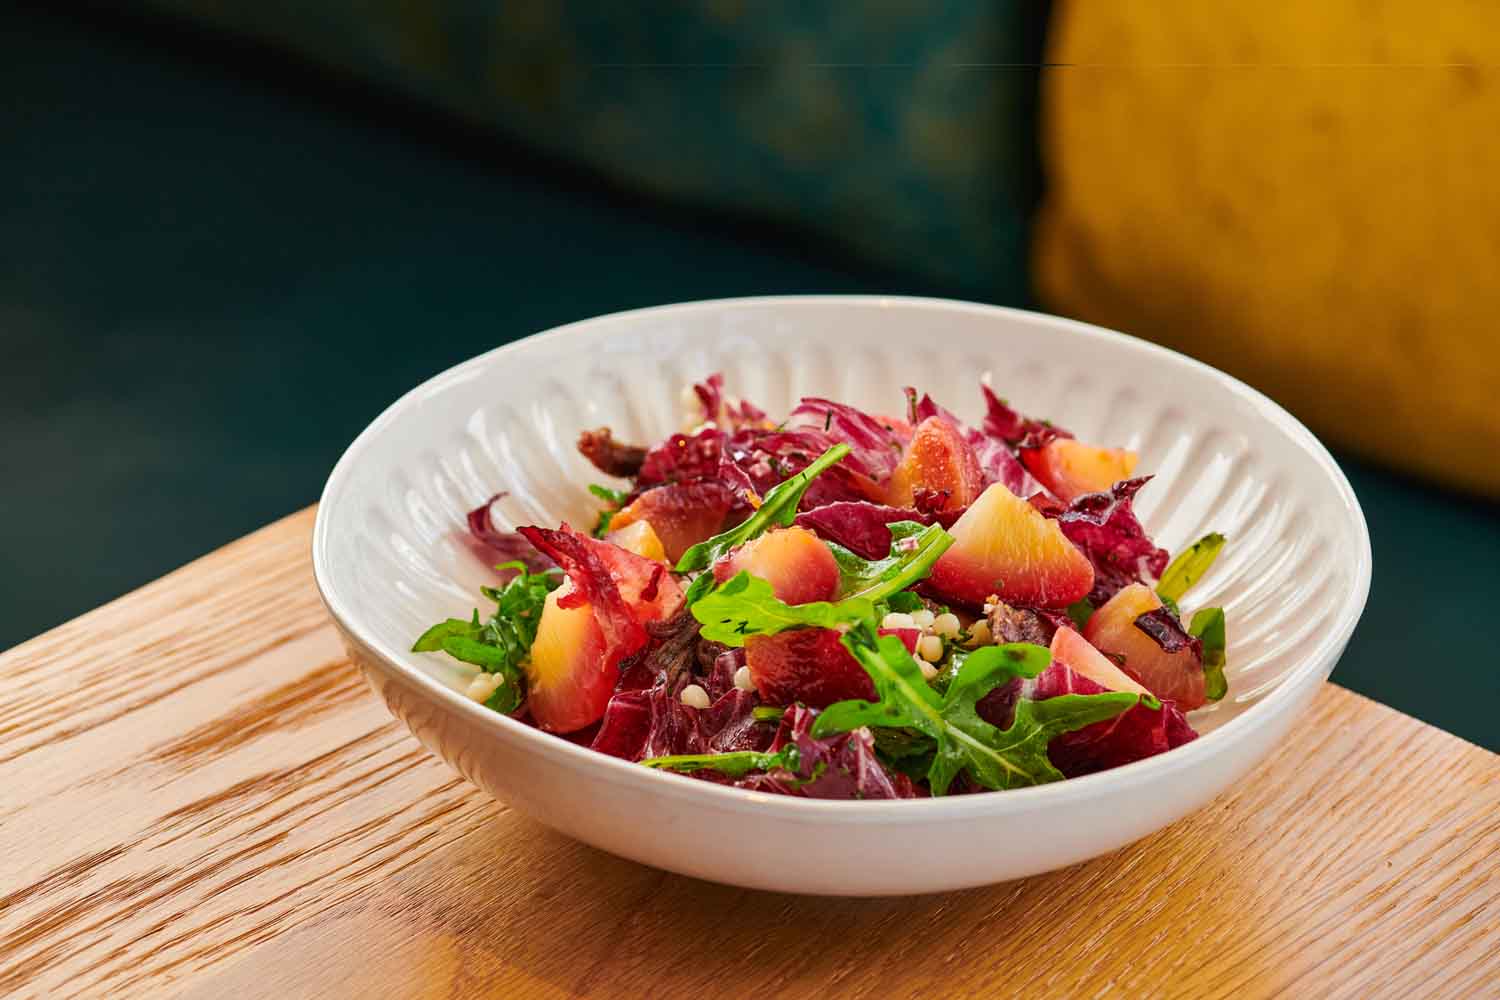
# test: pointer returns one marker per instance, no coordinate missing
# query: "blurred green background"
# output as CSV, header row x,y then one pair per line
x,y
220,265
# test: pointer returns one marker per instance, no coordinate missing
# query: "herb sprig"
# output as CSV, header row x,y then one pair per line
x,y
777,507
501,644
963,742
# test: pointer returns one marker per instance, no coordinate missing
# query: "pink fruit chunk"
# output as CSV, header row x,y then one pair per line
x,y
809,665
641,539
939,467
1074,652
1004,546
794,561
1070,468
581,640
681,514
572,672
1174,677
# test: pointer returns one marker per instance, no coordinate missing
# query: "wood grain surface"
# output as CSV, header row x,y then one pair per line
x,y
200,797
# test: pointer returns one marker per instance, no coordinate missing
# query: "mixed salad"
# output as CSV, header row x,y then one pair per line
x,y
848,605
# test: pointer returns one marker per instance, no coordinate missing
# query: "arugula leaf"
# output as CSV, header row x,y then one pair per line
x,y
746,606
499,645
1188,568
1208,625
1080,611
768,713
616,497
904,601
962,741
733,764
778,507
914,548
904,750
431,641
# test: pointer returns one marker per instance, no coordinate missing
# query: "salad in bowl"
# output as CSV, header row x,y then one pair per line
x,y
843,604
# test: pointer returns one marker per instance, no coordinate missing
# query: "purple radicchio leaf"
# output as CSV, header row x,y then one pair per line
x,y
837,767
1135,734
1105,528
859,526
501,546
1167,631
874,445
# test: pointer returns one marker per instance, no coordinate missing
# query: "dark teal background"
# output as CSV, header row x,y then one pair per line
x,y
218,268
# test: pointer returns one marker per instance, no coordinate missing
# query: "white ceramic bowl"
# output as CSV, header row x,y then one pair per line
x,y
390,561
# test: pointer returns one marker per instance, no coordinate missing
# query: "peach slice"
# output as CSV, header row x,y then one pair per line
x,y
681,514
640,538
939,461
1170,676
569,676
1003,545
574,665
1074,652
794,561
1070,468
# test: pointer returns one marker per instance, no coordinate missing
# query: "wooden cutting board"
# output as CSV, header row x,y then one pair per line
x,y
200,797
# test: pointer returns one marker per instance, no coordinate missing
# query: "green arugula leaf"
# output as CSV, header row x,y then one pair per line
x,y
431,641
616,497
778,507
1081,611
746,606
962,741
733,764
1208,625
914,548
501,644
904,601
1188,568
768,713
609,496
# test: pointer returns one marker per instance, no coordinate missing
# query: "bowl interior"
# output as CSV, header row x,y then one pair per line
x,y
391,547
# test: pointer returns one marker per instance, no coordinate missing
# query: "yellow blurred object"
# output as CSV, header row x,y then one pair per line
x,y
1304,194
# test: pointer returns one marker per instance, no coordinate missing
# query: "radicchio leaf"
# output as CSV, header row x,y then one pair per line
x,y
654,722
592,585
1105,528
874,445
1165,629
1135,734
506,546
857,525
1014,429
723,411
836,767
683,457
771,457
